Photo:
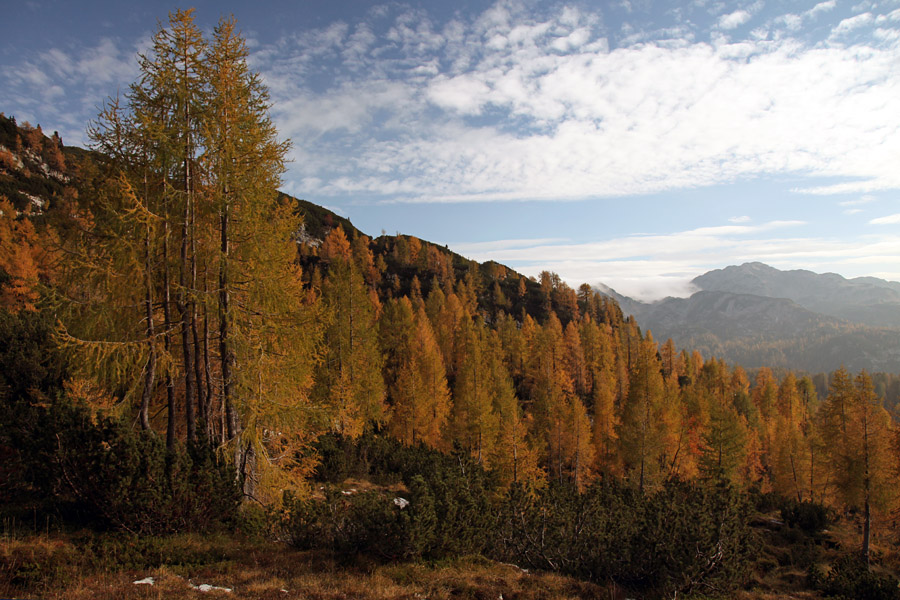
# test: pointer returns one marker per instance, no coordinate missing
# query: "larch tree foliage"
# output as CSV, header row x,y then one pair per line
x,y
724,433
550,388
600,362
445,312
115,326
642,432
513,458
874,446
835,426
144,197
765,399
22,259
790,461
267,334
473,421
349,378
860,456
170,99
414,375
190,212
814,448
432,408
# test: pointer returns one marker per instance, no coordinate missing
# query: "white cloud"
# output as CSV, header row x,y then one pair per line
x,y
888,220
821,7
503,245
742,219
791,21
66,86
852,23
735,19
858,201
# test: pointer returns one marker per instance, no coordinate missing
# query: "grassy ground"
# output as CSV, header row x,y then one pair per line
x,y
57,568
91,566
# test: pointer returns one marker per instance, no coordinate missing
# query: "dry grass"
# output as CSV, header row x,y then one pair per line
x,y
54,568
88,568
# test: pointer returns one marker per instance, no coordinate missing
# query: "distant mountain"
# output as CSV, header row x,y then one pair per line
x,y
756,315
866,300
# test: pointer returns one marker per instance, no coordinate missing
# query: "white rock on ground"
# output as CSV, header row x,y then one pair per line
x,y
205,587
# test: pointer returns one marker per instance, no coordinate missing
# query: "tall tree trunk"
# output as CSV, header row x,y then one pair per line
x,y
197,351
232,423
167,322
867,482
185,284
150,375
207,371
183,305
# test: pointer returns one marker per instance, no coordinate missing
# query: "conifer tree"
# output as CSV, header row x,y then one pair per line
x,y
195,152
550,389
414,375
860,457
512,458
21,258
168,105
474,423
642,430
600,363
790,466
266,332
349,378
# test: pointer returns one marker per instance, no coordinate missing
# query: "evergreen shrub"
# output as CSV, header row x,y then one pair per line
x,y
851,579
810,517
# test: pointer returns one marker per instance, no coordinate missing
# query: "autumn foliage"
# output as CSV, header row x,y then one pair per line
x,y
193,310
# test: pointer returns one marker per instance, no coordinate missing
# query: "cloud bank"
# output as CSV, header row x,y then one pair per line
x,y
510,106
650,267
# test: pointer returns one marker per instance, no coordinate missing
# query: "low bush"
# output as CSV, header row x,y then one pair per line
x,y
60,462
810,517
105,475
448,513
128,480
682,538
851,579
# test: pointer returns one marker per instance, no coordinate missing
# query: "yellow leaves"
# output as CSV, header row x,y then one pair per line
x,y
23,259
335,246
82,390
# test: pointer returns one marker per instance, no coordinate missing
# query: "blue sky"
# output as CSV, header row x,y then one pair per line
x,y
633,143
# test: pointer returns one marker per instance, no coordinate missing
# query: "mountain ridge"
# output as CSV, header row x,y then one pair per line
x,y
756,315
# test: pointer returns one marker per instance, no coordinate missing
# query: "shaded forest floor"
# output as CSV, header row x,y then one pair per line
x,y
87,565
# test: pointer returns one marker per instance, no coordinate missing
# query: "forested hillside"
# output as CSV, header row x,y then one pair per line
x,y
180,340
